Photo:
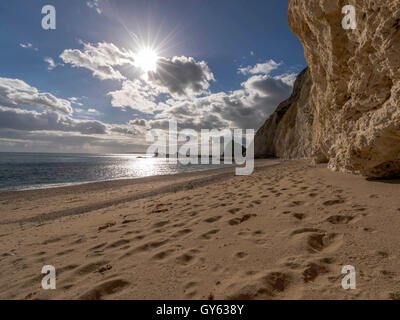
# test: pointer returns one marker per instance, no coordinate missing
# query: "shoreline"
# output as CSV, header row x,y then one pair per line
x,y
101,184
41,186
73,184
144,187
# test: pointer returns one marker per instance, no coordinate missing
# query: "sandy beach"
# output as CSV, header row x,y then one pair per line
x,y
284,232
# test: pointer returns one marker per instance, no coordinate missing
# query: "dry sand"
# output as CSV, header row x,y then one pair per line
x,y
284,232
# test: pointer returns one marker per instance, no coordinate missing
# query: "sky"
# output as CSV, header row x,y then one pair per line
x,y
113,70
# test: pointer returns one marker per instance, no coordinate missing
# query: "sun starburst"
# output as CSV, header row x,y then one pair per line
x,y
146,60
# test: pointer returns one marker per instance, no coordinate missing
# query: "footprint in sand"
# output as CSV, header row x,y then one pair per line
x,y
128,221
370,230
62,253
145,247
160,224
190,289
67,268
296,203
213,219
241,255
261,287
99,246
234,222
187,257
394,295
118,243
181,233
337,219
324,242
258,233
299,216
90,267
234,210
305,230
333,202
105,289
37,254
388,274
313,271
208,235
382,254
56,239
318,240
163,254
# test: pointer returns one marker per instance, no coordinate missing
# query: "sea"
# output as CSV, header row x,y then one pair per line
x,y
25,171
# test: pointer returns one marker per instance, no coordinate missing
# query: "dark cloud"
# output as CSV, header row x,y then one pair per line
x,y
138,122
267,86
43,141
123,129
50,121
182,76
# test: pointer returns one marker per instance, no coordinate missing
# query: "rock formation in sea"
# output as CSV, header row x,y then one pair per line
x,y
352,111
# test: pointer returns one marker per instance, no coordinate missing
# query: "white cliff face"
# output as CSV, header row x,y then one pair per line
x,y
288,132
355,93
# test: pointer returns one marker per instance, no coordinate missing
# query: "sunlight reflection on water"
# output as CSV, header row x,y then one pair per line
x,y
38,170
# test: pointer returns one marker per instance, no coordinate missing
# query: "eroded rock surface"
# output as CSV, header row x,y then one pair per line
x,y
355,93
356,82
287,132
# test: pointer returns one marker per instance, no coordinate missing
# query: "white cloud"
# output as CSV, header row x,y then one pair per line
x,y
25,46
75,100
136,94
51,63
15,93
288,78
260,68
94,4
101,59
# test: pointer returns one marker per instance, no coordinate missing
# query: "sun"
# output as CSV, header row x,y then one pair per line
x,y
146,59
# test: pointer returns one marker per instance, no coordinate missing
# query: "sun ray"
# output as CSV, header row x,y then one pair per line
x,y
146,59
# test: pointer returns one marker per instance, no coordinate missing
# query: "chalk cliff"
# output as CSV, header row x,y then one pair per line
x,y
288,131
355,90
